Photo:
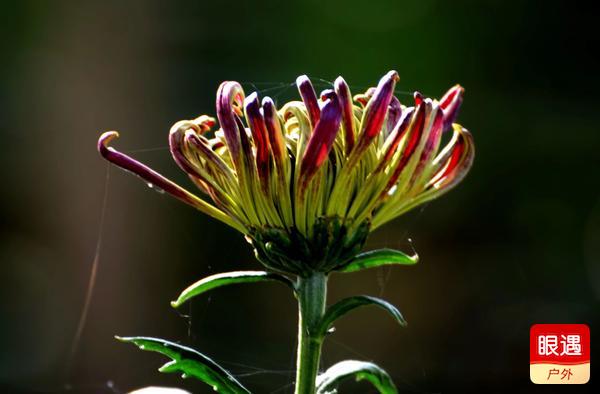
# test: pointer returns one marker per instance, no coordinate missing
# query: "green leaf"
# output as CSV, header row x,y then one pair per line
x,y
377,258
227,278
344,306
328,381
190,363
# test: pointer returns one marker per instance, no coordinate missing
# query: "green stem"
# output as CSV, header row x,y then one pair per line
x,y
312,294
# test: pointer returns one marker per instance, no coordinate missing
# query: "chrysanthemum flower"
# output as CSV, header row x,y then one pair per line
x,y
307,182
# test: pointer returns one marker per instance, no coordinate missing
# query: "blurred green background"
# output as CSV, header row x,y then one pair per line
x,y
517,243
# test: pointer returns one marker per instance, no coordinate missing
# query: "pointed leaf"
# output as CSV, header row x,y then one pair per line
x,y
227,278
361,370
377,258
190,363
346,305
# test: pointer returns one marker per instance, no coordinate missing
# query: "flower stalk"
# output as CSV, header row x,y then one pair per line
x,y
312,295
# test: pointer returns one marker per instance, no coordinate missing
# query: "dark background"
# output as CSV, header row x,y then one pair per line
x,y
517,243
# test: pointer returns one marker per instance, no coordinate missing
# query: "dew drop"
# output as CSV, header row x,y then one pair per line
x,y
155,188
331,330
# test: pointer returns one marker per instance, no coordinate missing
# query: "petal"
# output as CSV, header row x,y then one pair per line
x,y
432,134
247,162
273,125
159,181
203,149
321,140
418,98
294,112
343,92
394,114
454,162
375,111
457,160
176,146
204,123
259,134
309,97
363,99
450,104
415,134
230,97
395,137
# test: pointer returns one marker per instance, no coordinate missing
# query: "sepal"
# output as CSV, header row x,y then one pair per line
x,y
331,246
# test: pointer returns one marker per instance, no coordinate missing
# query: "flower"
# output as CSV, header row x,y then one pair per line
x,y
308,182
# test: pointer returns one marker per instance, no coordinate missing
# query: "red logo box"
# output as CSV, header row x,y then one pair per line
x,y
559,353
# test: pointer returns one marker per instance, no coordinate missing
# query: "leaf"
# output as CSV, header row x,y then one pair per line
x,y
344,306
227,278
158,390
361,370
190,363
377,258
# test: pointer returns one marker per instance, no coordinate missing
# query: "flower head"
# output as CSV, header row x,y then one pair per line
x,y
306,183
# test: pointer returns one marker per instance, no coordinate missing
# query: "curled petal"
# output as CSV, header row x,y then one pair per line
x,y
230,97
155,179
450,104
295,112
216,143
343,92
259,134
176,146
457,160
273,125
395,137
418,96
247,161
394,114
364,98
415,134
186,147
202,148
309,97
376,110
453,164
204,123
433,135
322,138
